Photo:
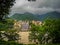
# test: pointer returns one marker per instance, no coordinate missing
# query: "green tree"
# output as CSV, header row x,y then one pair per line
x,y
48,32
5,6
34,33
6,25
52,27
7,31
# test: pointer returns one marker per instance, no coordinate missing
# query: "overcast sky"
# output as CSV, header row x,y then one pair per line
x,y
36,7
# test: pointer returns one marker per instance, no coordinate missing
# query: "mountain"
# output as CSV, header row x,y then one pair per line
x,y
29,16
25,16
50,15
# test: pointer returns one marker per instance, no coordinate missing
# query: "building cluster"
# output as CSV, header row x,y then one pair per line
x,y
37,22
21,25
24,25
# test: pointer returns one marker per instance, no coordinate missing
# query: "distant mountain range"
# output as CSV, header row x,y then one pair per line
x,y
30,16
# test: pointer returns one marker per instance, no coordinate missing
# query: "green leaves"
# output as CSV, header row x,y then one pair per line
x,y
53,27
6,25
49,27
9,43
5,6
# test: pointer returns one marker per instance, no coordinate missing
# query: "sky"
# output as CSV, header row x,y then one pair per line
x,y
35,7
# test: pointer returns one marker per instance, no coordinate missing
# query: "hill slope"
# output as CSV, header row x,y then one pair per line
x,y
29,16
25,16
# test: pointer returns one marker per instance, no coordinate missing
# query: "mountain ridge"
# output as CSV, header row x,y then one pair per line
x,y
30,16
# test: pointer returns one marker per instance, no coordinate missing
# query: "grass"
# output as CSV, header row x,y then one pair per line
x,y
9,43
14,43
43,44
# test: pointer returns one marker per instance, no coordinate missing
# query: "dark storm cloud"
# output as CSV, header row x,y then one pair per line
x,y
52,3
36,7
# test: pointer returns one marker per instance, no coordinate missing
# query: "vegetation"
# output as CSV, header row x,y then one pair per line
x,y
30,16
9,43
7,32
5,7
52,27
25,16
46,33
43,44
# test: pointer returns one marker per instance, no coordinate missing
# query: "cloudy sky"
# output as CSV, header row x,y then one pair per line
x,y
36,7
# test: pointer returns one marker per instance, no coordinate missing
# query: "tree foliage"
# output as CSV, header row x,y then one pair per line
x,y
5,6
48,32
6,25
7,31
53,27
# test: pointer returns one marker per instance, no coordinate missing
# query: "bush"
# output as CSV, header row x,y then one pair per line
x,y
9,43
